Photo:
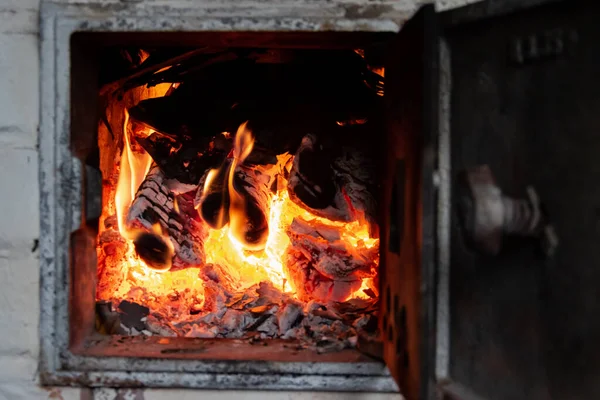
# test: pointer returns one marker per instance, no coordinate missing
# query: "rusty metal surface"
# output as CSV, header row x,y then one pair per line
x,y
61,201
226,350
408,206
524,327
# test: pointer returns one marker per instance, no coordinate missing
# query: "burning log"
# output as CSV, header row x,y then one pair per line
x,y
337,188
182,158
355,174
239,193
311,178
154,204
252,188
254,184
324,267
212,197
154,250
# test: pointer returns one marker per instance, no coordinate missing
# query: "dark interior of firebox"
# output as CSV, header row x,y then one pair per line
x,y
248,145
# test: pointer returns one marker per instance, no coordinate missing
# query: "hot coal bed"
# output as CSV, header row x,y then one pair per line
x,y
240,192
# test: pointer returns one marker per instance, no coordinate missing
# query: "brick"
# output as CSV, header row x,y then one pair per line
x,y
28,391
18,380
19,302
19,90
19,21
19,266
21,4
19,219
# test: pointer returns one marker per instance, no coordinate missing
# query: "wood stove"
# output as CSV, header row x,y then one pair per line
x,y
265,203
252,225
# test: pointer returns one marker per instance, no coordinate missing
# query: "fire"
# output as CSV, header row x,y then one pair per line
x,y
270,263
227,247
143,283
247,263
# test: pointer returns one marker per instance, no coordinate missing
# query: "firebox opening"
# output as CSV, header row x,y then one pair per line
x,y
240,189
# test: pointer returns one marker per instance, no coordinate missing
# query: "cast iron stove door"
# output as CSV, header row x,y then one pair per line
x,y
407,248
525,123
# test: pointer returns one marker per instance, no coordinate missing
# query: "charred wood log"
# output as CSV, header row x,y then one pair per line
x,y
355,175
253,183
311,177
182,158
154,204
326,89
212,197
146,73
154,250
339,188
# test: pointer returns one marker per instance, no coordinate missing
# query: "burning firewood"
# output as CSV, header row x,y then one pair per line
x,y
154,204
254,184
324,267
212,197
338,187
311,177
355,175
240,198
154,250
182,158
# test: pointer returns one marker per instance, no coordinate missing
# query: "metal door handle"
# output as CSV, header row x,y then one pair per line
x,y
487,215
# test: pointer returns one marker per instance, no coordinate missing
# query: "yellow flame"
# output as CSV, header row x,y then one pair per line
x,y
210,177
156,228
242,147
132,171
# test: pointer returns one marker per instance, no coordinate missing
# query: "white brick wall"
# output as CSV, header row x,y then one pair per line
x,y
19,220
